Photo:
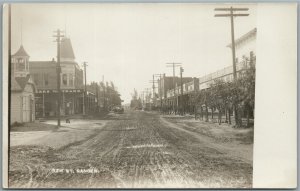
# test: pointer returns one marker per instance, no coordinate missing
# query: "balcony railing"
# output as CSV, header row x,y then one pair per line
x,y
226,71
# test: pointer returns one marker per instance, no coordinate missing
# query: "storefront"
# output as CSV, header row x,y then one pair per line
x,y
71,102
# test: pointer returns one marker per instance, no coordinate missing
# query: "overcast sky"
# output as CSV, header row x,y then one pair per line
x,y
127,43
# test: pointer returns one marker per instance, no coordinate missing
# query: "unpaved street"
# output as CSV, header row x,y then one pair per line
x,y
132,150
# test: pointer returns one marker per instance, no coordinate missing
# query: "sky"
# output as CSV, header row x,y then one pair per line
x,y
128,43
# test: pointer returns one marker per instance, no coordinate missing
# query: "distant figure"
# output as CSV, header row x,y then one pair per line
x,y
68,120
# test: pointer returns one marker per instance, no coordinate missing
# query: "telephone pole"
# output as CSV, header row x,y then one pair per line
x,y
153,90
231,14
153,87
174,65
84,93
159,89
181,84
58,34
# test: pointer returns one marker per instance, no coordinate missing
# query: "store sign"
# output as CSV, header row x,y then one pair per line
x,y
63,91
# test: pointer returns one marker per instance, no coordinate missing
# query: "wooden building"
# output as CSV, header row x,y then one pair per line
x,y
22,90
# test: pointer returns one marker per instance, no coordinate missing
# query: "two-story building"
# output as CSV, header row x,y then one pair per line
x,y
71,83
166,89
245,47
22,89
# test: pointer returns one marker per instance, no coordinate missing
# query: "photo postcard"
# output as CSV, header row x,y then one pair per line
x,y
145,95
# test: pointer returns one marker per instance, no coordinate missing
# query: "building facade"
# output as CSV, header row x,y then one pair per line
x,y
71,84
22,92
168,97
245,47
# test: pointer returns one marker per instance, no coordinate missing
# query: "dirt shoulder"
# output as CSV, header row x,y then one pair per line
x,y
47,134
237,143
136,150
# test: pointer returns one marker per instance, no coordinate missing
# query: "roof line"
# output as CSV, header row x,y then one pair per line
x,y
240,39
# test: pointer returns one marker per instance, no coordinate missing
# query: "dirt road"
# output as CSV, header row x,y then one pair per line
x,y
136,149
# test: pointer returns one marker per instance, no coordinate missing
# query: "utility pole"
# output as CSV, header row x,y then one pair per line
x,y
153,92
181,84
174,65
159,89
58,34
231,14
153,87
84,93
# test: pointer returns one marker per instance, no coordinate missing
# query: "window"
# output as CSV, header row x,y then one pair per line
x,y
64,79
20,60
46,79
20,64
71,79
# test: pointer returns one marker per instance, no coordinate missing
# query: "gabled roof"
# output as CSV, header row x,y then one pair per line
x,y
21,52
66,49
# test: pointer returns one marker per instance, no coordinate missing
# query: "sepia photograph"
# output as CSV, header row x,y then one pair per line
x,y
155,95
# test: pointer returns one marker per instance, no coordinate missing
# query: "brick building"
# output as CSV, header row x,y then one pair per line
x,y
166,83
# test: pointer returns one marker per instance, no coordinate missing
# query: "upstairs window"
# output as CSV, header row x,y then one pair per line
x,y
20,60
20,64
64,79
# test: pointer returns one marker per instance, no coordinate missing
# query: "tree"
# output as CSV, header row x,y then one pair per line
x,y
135,101
202,99
245,88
